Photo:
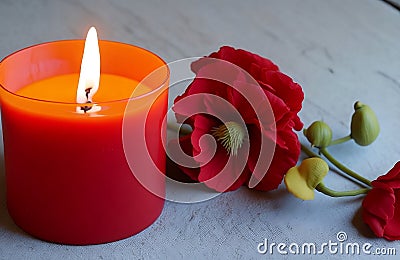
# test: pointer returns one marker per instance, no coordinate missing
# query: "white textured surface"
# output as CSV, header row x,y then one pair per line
x,y
339,51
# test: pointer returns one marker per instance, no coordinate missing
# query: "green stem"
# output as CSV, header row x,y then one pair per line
x,y
308,151
332,193
340,140
344,168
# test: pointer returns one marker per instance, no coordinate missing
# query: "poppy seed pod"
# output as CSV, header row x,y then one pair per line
x,y
319,134
364,124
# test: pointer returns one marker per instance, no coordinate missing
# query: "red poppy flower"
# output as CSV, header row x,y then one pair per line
x,y
381,206
266,100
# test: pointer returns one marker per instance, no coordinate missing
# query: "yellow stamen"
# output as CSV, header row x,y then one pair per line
x,y
231,135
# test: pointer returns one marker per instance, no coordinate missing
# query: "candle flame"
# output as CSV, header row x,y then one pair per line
x,y
90,69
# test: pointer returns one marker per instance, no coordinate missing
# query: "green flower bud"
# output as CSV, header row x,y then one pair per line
x,y
319,134
364,124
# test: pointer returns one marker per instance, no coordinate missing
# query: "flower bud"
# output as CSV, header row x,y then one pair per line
x,y
364,124
319,134
301,180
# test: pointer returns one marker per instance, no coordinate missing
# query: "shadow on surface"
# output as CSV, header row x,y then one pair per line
x,y
393,4
173,172
359,224
279,193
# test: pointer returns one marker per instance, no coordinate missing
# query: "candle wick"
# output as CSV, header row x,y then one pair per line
x,y
87,91
86,108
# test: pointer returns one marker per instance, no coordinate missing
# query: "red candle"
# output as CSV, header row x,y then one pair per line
x,y
68,179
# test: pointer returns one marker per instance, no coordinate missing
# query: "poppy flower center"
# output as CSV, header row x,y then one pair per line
x,y
230,135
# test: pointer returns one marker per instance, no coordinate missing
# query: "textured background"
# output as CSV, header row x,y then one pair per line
x,y
339,51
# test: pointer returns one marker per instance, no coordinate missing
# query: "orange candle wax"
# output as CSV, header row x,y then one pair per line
x,y
63,88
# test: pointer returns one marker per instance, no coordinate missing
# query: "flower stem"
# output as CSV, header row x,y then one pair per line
x,y
332,193
308,151
344,168
336,163
340,140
